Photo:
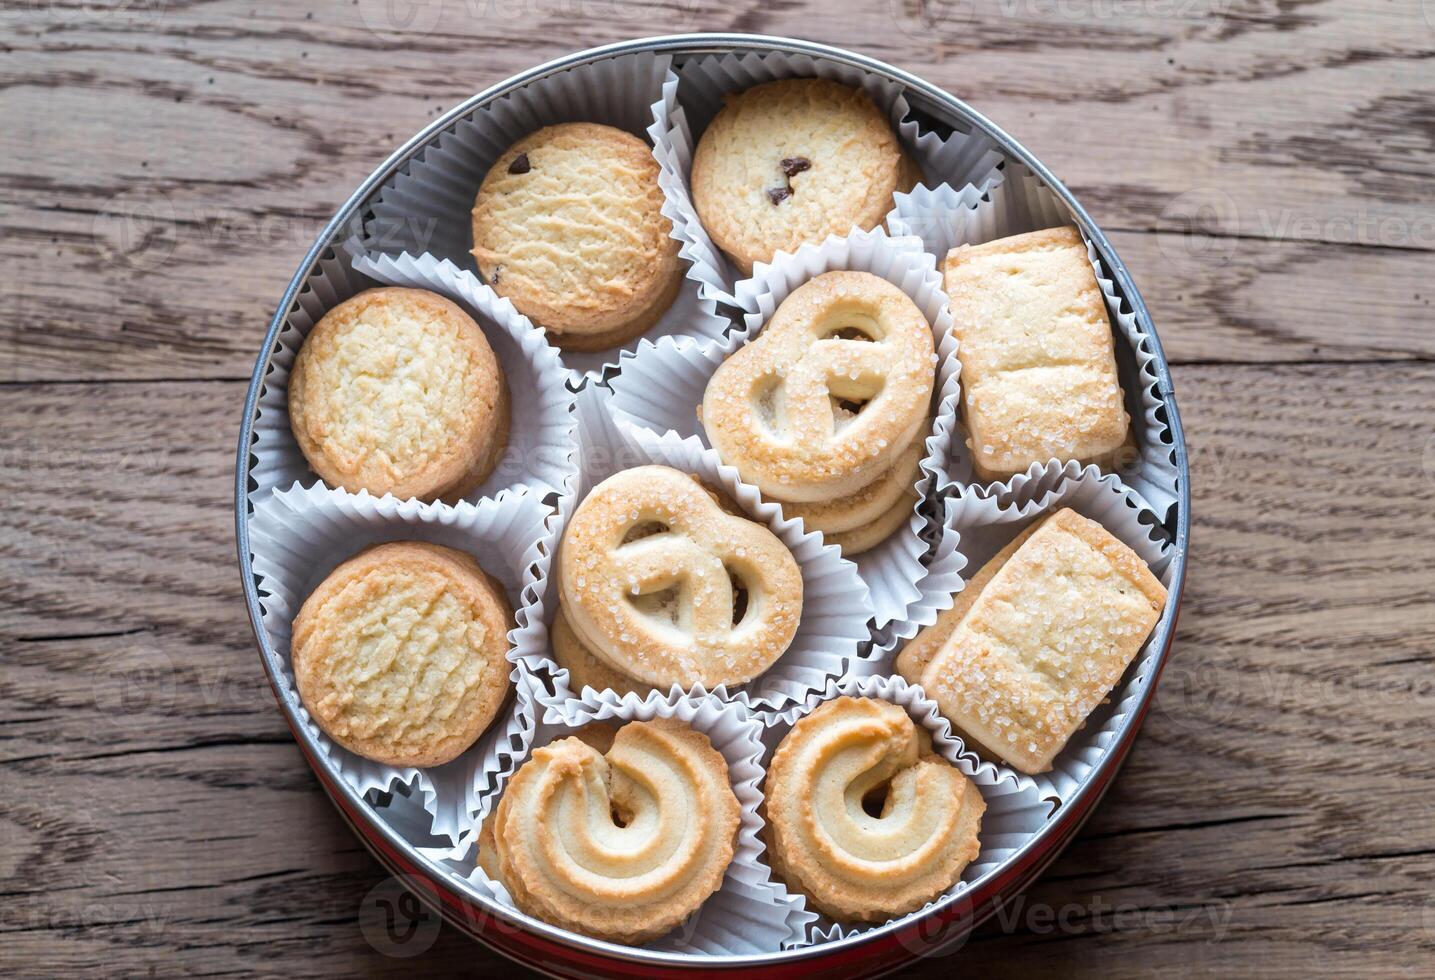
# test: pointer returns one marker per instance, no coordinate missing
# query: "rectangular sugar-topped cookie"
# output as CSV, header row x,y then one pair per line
x,y
1038,364
1039,638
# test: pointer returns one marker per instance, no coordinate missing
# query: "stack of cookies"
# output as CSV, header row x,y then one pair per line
x,y
826,410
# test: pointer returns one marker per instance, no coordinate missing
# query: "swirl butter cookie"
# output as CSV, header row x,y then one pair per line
x,y
622,844
568,224
794,161
397,391
862,820
832,392
660,582
401,654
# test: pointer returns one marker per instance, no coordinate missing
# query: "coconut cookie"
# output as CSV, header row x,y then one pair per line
x,y
862,820
622,844
397,391
794,161
662,584
1044,632
401,654
568,224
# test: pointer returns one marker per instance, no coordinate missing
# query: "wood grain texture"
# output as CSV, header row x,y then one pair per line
x,y
1262,167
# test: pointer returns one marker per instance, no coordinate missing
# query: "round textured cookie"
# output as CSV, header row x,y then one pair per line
x,y
860,819
401,653
585,669
397,391
568,224
621,843
794,161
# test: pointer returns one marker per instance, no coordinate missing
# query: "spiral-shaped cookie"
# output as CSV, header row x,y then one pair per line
x,y
861,821
623,845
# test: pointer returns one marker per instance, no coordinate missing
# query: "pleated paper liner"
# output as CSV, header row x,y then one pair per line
x,y
749,913
983,521
424,212
836,604
661,386
696,94
539,452
299,535
945,217
1015,812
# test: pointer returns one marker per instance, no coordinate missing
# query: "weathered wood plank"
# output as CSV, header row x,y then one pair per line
x,y
1276,221
1274,818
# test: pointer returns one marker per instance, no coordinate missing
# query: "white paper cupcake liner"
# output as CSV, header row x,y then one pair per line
x,y
1015,810
982,522
426,209
945,217
836,605
701,83
661,386
299,535
750,913
541,411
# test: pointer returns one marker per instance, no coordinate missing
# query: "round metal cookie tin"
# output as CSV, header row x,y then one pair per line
x,y
938,930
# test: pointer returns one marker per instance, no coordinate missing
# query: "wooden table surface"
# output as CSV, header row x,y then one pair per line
x,y
1263,167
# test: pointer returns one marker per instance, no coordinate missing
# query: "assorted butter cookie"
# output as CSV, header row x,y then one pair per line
x,y
1037,639
662,584
621,843
794,161
827,407
1039,375
863,820
568,225
401,654
397,391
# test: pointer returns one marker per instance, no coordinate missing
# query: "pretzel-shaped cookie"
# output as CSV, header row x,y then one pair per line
x,y
646,575
831,392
